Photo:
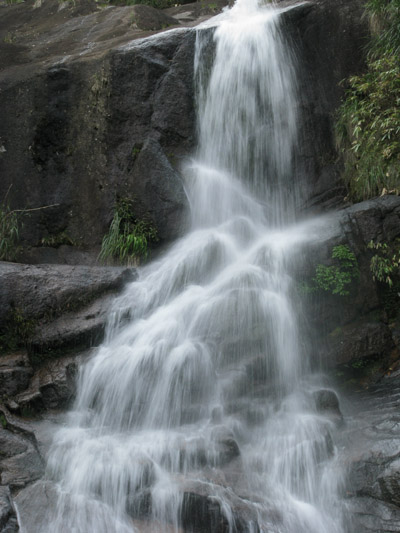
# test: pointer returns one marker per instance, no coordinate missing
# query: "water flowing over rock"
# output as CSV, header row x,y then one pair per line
x,y
200,409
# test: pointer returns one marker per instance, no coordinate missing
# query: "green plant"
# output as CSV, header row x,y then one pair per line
x,y
128,237
368,126
135,151
3,421
385,265
56,240
9,38
158,4
17,331
335,278
10,224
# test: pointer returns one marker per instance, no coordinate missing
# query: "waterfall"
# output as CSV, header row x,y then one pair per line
x,y
201,395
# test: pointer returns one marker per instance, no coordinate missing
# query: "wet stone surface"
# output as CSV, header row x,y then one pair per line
x,y
370,449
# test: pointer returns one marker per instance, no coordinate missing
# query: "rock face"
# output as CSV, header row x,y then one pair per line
x,y
373,458
48,314
109,117
8,519
91,130
51,290
326,38
354,333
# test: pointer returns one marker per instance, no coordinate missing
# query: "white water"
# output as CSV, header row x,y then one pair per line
x,y
205,348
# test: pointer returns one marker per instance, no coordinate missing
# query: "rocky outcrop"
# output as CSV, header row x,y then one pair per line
x,y
372,458
48,315
353,333
8,518
48,291
327,39
103,114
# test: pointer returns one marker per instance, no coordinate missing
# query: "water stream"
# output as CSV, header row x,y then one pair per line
x,y
199,405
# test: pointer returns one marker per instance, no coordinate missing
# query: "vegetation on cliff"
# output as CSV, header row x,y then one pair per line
x,y
369,119
128,237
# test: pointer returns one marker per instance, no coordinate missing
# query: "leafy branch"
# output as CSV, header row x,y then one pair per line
x,y
336,278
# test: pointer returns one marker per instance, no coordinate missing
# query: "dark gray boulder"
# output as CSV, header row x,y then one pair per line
x,y
50,313
51,290
327,403
148,18
8,518
15,373
159,190
370,446
352,331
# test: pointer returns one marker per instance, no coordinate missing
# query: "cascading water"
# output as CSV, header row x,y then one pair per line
x,y
201,391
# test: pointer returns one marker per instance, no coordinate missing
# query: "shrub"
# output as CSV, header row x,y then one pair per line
x,y
10,224
128,238
385,265
368,126
336,278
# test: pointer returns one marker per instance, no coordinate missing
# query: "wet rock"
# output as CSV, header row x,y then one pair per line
x,y
326,400
202,510
39,291
149,18
360,341
389,483
351,330
160,190
40,495
372,458
8,518
21,469
201,513
11,444
71,332
53,386
91,118
372,516
227,448
327,403
15,373
20,460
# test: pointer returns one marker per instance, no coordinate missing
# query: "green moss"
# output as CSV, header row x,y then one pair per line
x,y
336,332
3,421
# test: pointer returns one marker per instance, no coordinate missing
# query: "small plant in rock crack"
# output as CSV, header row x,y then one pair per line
x,y
385,264
17,331
368,125
128,238
337,278
10,224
